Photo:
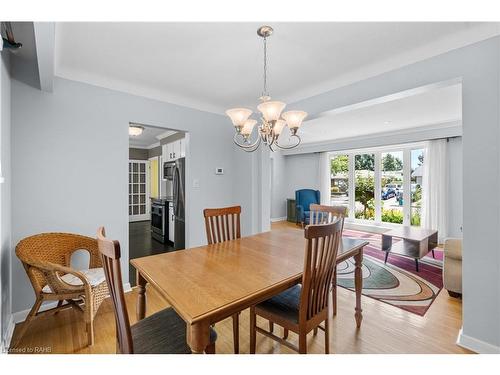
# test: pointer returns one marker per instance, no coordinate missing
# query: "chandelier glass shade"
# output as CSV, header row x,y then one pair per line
x,y
273,119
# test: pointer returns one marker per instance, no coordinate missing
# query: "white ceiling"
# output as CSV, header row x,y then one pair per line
x,y
149,137
435,107
215,66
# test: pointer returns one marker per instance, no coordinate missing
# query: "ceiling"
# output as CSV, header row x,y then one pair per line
x,y
215,66
149,137
437,107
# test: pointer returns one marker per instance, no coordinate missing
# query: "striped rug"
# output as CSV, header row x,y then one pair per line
x,y
397,282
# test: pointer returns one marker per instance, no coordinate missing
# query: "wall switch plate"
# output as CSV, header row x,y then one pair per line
x,y
196,183
219,170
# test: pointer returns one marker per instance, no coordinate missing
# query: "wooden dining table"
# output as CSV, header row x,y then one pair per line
x,y
209,283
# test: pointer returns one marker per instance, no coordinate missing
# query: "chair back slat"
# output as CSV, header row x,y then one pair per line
x,y
222,224
322,214
319,266
110,252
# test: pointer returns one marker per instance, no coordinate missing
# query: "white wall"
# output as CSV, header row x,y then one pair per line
x,y
5,199
69,161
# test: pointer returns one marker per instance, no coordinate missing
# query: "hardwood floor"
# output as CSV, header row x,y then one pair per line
x,y
141,244
385,328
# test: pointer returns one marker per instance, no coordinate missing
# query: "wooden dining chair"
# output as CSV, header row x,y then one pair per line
x,y
321,214
223,224
304,307
161,333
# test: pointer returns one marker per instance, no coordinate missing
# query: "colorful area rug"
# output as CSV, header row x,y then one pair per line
x,y
397,282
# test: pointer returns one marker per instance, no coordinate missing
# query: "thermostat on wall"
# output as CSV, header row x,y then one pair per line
x,y
219,170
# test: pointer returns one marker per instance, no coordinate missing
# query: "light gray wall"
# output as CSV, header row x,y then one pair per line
x,y
302,173
152,152
138,154
5,197
73,146
478,66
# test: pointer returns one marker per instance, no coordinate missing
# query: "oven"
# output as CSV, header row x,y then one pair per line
x,y
159,214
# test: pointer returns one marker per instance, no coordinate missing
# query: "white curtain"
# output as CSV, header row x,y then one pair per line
x,y
324,178
434,181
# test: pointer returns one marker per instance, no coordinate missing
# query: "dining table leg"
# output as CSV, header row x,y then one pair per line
x,y
358,283
198,336
141,296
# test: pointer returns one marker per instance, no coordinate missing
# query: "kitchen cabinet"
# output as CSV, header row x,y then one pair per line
x,y
174,150
171,222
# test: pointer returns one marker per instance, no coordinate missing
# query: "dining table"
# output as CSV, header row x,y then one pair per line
x,y
207,284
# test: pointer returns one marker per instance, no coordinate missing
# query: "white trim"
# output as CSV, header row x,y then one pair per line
x,y
20,316
275,219
166,134
476,345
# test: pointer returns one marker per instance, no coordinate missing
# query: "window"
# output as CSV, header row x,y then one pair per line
x,y
364,186
417,162
391,192
381,186
340,180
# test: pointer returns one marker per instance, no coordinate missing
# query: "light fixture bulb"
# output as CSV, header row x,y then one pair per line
x,y
278,126
248,127
135,130
238,116
294,118
271,111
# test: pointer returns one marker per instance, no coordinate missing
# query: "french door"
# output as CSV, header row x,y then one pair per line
x,y
379,186
138,190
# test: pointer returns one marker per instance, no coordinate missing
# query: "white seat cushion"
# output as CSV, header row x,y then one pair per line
x,y
95,276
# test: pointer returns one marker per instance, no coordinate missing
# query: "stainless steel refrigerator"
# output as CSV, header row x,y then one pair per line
x,y
179,194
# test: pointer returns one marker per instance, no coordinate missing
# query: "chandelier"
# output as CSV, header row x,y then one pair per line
x,y
273,122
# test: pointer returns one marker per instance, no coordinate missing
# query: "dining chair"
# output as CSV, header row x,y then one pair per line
x,y
161,333
304,307
321,214
46,258
223,224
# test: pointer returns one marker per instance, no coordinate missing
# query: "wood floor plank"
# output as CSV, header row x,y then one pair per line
x,y
385,328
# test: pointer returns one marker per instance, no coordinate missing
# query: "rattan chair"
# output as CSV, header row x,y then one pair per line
x,y
46,258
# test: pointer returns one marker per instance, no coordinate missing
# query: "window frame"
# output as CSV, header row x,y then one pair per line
x,y
406,149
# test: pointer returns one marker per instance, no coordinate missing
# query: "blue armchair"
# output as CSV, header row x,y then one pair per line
x,y
303,199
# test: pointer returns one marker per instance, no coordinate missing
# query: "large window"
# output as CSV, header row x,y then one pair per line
x,y
391,194
382,185
364,186
417,162
340,180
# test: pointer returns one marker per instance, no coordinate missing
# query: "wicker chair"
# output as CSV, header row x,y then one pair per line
x,y
46,258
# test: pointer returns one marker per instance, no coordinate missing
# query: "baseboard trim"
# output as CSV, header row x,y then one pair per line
x,y
275,219
476,345
20,316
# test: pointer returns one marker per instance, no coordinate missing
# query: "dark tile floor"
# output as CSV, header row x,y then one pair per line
x,y
141,244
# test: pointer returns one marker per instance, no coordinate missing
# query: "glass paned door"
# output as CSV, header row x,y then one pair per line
x,y
391,186
364,186
339,172
138,190
417,168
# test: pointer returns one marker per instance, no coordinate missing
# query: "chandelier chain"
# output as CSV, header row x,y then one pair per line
x,y
265,93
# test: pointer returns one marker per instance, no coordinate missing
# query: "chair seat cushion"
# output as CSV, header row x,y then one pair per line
x,y
286,304
162,333
95,276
